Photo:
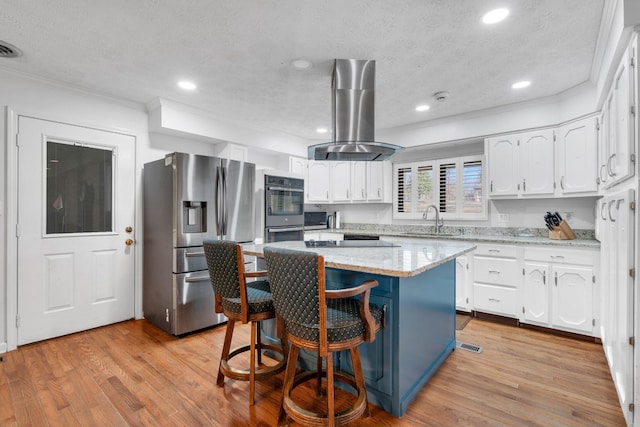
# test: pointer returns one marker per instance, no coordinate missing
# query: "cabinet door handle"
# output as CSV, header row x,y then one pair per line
x,y
494,250
347,194
556,279
492,186
327,195
378,191
544,277
494,271
557,256
603,178
524,185
562,182
494,299
611,216
602,206
609,168
363,193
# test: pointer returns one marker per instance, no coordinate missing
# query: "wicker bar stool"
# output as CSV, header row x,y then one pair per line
x,y
242,301
323,321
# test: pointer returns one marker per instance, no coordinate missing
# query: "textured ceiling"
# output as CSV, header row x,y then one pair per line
x,y
239,53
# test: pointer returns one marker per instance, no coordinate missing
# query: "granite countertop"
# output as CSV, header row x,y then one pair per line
x,y
533,239
405,260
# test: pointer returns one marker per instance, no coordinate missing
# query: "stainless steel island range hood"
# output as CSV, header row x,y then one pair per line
x,y
352,96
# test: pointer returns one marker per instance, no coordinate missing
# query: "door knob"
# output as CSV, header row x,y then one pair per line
x,y
128,242
128,229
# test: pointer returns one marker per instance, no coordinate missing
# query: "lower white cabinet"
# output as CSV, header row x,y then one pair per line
x,y
558,288
496,282
464,279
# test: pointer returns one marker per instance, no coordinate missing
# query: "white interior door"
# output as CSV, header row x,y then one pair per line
x,y
76,197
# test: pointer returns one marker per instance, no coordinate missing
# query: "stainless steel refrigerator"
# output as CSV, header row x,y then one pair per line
x,y
187,199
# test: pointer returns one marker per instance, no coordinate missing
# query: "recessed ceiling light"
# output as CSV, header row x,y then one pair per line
x,y
322,130
422,107
186,85
520,85
495,15
301,64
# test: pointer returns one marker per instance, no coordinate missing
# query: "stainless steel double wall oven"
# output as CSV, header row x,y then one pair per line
x,y
284,208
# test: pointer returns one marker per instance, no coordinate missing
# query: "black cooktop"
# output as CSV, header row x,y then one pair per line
x,y
348,244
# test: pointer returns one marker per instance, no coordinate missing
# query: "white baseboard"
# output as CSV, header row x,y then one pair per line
x,y
3,347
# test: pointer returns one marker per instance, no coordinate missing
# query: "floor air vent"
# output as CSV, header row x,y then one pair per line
x,y
469,347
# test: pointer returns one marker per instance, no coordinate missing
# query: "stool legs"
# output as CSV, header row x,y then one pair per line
x,y
226,347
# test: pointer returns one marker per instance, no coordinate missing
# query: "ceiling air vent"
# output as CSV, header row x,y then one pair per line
x,y
9,51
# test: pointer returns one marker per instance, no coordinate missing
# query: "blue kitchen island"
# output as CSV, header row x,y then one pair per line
x,y
416,281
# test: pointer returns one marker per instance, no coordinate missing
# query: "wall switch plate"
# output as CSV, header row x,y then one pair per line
x,y
503,217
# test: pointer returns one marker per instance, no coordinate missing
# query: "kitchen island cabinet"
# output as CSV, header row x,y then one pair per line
x,y
416,283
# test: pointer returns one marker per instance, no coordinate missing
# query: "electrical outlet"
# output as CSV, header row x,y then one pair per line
x,y
503,217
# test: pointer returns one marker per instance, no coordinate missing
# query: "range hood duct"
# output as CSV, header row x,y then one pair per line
x,y
352,108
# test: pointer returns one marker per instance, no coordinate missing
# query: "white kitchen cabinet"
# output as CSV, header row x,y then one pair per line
x,y
233,152
617,234
572,298
535,293
348,182
359,186
502,158
323,235
577,157
620,117
340,181
464,278
379,182
298,165
558,288
318,182
522,164
603,149
496,282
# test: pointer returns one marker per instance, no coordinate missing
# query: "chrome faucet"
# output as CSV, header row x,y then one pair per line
x,y
439,221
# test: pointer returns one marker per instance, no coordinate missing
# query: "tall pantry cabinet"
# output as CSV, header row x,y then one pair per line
x,y
616,227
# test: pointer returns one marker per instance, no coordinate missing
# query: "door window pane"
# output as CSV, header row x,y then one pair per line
x,y
79,189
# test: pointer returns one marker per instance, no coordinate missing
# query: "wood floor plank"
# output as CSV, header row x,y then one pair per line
x,y
134,374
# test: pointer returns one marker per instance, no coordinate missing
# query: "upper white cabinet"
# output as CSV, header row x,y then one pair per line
x,y
318,182
298,165
576,154
617,152
340,181
348,182
521,165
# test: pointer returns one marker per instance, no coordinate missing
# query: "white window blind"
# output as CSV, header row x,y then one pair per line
x,y
448,188
425,187
472,186
454,185
403,197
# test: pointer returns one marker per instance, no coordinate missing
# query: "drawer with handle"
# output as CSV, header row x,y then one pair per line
x,y
496,271
495,299
561,255
504,251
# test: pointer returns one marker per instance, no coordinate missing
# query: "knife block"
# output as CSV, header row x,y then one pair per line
x,y
562,232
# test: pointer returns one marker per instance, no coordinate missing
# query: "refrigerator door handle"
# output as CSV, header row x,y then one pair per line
x,y
225,212
218,203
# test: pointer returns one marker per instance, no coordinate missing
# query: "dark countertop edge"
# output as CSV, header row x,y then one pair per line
x,y
537,241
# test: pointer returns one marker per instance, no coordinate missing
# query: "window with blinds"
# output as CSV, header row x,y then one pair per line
x,y
454,185
472,200
403,198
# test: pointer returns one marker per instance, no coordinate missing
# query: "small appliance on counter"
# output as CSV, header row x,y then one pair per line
x,y
559,229
334,221
315,220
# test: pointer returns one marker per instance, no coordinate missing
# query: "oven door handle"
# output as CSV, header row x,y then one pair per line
x,y
282,230
276,188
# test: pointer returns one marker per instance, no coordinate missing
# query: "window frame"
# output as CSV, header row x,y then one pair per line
x,y
459,162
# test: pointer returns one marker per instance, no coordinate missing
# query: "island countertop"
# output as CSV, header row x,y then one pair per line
x,y
407,259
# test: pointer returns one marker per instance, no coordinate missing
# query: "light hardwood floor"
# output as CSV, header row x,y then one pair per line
x,y
134,374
